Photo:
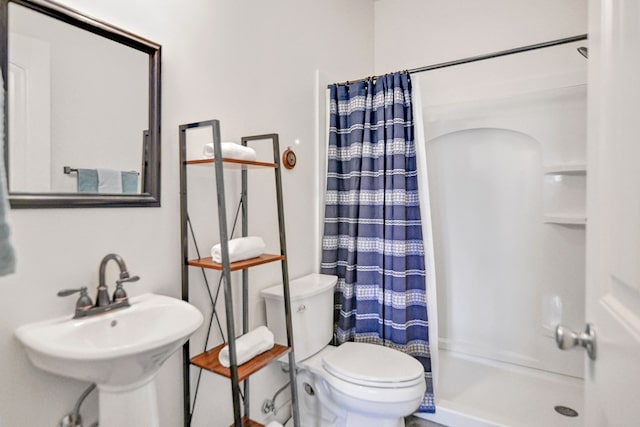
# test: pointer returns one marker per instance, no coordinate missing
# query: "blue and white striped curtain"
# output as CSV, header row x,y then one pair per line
x,y
372,229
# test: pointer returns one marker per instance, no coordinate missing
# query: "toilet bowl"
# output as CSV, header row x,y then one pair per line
x,y
351,385
380,391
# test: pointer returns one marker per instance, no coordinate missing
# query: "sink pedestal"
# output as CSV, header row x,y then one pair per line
x,y
132,405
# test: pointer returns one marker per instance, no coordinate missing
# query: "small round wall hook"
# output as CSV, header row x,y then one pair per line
x,y
289,158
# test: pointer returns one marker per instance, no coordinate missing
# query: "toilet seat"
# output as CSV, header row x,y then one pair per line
x,y
372,365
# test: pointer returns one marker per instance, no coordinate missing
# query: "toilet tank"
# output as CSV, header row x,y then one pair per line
x,y
311,313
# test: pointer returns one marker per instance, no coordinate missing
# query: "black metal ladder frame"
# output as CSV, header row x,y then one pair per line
x,y
226,272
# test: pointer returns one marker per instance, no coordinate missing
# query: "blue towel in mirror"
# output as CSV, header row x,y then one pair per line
x,y
130,182
87,180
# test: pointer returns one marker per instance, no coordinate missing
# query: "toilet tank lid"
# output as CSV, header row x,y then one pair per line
x,y
358,362
302,287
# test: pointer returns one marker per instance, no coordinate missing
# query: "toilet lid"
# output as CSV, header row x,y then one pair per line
x,y
365,364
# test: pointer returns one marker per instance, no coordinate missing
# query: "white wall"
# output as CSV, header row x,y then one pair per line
x,y
249,63
415,33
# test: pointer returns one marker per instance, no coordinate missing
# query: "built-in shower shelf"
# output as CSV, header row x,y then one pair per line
x,y
573,169
565,219
209,361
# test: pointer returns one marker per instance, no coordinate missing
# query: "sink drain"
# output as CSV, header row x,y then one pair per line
x,y
566,411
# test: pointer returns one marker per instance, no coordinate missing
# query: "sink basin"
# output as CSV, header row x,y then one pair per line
x,y
120,351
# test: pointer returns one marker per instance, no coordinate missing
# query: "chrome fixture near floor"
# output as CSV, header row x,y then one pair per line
x,y
269,405
86,307
73,419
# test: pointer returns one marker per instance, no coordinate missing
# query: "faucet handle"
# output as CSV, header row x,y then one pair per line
x,y
83,303
67,292
119,294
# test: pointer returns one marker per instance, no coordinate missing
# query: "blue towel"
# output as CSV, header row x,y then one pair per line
x,y
87,180
130,182
7,254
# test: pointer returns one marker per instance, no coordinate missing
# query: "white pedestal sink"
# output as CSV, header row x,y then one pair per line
x,y
120,351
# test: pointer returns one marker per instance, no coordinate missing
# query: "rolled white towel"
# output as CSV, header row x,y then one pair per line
x,y
248,346
231,150
240,249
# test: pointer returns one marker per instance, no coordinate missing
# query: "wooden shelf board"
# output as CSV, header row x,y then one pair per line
x,y
246,422
238,265
209,361
234,163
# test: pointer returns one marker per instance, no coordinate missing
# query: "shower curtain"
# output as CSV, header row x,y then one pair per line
x,y
373,236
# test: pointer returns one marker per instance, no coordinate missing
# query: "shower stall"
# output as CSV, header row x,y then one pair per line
x,y
505,142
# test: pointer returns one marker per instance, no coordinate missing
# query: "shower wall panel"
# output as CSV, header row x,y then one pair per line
x,y
506,277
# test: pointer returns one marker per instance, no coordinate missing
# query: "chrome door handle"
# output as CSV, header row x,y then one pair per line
x,y
566,339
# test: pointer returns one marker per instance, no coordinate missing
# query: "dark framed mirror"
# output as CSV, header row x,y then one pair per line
x,y
82,109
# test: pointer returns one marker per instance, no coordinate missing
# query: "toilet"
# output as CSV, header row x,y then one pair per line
x,y
351,385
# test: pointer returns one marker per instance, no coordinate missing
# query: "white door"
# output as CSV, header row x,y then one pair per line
x,y
612,381
29,114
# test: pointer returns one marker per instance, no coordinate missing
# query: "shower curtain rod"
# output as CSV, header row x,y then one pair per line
x,y
481,57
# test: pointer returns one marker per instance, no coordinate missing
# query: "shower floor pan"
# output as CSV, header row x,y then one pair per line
x,y
476,392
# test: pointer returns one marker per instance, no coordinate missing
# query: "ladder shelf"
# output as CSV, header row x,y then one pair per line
x,y
208,360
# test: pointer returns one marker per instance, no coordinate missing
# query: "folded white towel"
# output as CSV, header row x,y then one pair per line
x,y
240,249
231,150
248,346
273,424
109,181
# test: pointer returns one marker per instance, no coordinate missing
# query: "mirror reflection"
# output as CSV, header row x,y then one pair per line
x,y
78,108
82,109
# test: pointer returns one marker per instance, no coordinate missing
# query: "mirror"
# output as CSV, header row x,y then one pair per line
x,y
82,110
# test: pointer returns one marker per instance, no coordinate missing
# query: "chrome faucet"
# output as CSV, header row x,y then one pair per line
x,y
85,307
102,299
